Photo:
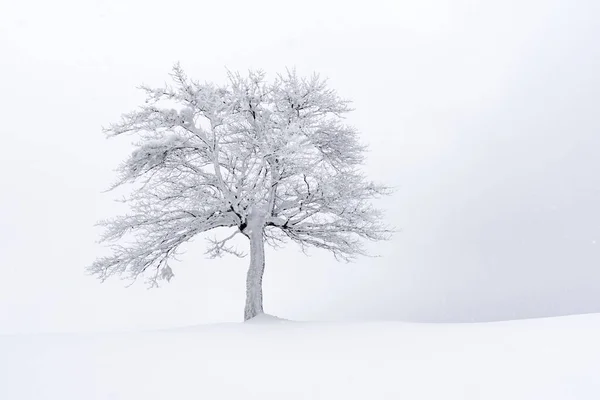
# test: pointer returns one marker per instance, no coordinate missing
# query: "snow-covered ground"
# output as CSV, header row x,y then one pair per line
x,y
555,358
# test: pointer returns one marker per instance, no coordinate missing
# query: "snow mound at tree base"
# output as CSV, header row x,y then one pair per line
x,y
267,359
266,319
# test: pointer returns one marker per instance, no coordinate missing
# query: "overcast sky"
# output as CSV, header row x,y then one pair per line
x,y
483,114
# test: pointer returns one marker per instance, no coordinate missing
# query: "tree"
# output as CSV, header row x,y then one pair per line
x,y
274,161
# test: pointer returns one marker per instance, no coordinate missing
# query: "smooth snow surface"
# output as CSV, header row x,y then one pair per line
x,y
548,359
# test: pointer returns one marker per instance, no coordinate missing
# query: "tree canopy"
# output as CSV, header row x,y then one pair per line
x,y
273,161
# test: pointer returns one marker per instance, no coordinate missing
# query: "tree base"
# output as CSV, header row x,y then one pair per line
x,y
265,319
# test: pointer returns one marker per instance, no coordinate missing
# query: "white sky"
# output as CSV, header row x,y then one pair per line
x,y
483,114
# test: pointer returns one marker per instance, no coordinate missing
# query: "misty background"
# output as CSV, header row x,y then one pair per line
x,y
483,115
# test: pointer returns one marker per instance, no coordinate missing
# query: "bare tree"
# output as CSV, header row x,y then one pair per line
x,y
274,161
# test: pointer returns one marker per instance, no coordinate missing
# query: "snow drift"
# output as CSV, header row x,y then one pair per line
x,y
555,358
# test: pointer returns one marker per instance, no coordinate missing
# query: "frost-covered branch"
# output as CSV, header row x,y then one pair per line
x,y
153,238
219,247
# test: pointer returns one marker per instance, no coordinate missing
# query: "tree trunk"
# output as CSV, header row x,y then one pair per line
x,y
254,298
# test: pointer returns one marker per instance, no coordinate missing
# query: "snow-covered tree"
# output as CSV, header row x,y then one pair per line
x,y
272,161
